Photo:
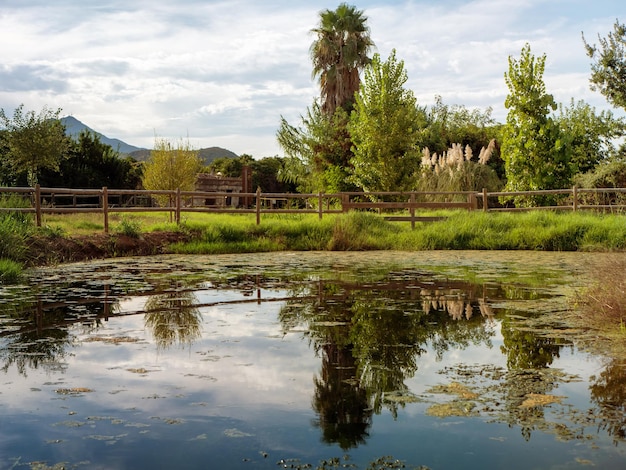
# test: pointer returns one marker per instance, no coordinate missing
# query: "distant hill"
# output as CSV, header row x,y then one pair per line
x,y
73,127
207,155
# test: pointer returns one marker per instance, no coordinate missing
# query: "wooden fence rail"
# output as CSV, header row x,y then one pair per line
x,y
394,205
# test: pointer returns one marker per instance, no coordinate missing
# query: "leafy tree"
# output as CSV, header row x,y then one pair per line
x,y
35,141
536,153
93,164
384,129
592,135
171,166
339,53
608,71
318,152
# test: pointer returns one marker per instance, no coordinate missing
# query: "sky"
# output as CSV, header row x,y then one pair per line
x,y
222,73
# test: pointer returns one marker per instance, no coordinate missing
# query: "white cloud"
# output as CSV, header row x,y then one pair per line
x,y
223,72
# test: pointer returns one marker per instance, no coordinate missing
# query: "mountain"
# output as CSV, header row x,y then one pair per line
x,y
207,155
73,127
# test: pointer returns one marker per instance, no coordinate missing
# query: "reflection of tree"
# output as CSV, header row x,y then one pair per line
x,y
37,338
525,349
339,401
173,318
608,391
370,338
527,355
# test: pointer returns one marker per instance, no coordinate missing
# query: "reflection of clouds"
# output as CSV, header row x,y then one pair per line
x,y
241,360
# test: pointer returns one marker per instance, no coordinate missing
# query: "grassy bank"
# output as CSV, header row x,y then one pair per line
x,y
460,230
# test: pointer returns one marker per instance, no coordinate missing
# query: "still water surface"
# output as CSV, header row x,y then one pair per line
x,y
306,360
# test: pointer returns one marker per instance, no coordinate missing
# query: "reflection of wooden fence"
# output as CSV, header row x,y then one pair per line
x,y
394,205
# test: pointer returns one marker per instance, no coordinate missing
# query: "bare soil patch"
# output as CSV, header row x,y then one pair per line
x,y
47,250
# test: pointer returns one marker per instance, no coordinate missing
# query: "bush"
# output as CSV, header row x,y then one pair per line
x,y
129,227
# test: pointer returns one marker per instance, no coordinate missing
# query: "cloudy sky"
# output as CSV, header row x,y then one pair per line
x,y
223,72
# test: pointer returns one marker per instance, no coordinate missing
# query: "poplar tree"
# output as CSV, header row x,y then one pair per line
x,y
536,153
384,128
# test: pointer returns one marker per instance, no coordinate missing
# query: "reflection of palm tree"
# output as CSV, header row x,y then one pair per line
x,y
173,318
339,401
370,340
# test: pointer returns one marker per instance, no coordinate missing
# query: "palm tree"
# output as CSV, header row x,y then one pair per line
x,y
339,53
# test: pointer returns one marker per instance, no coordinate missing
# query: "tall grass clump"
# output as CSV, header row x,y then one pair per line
x,y
10,271
362,231
603,303
457,170
15,227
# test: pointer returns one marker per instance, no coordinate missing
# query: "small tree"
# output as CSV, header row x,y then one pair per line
x,y
592,135
535,152
383,128
171,166
34,141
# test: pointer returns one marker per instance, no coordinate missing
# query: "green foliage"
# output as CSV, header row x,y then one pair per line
x,y
338,54
608,71
318,152
383,128
129,227
34,141
535,151
10,271
170,167
93,164
592,135
15,227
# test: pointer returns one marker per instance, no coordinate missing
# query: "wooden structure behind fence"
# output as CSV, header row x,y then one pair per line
x,y
396,206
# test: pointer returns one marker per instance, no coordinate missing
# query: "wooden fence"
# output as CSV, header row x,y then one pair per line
x,y
396,206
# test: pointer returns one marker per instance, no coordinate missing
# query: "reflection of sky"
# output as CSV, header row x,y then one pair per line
x,y
245,376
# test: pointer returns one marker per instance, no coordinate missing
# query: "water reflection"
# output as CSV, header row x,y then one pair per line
x,y
370,337
372,333
173,318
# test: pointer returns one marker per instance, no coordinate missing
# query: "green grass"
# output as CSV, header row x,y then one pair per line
x,y
10,271
460,230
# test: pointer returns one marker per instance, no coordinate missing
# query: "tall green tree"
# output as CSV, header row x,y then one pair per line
x,y
536,153
608,70
318,152
34,141
339,53
384,129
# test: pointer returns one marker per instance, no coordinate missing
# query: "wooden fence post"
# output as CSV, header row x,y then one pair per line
x,y
344,202
412,210
178,205
258,206
38,204
320,207
105,208
575,197
485,203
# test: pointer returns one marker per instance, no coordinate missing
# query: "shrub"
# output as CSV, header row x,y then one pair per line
x,y
129,227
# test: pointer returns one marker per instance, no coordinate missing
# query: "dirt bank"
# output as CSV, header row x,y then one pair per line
x,y
50,250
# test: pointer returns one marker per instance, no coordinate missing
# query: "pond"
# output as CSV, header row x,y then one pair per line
x,y
431,360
